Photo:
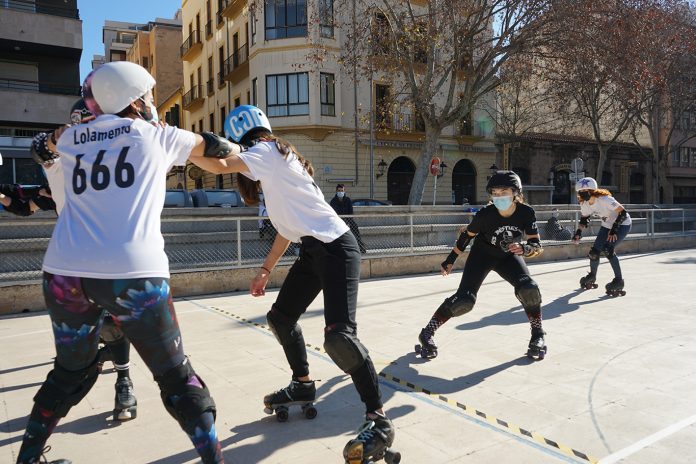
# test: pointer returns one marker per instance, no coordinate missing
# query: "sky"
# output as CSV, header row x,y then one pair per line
x,y
94,12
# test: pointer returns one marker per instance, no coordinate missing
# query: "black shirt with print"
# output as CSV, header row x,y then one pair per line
x,y
495,232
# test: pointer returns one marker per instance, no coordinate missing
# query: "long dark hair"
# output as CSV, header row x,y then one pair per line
x,y
249,189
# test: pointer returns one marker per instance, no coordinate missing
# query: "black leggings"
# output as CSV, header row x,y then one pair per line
x,y
334,268
481,261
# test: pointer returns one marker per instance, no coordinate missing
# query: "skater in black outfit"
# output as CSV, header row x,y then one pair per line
x,y
616,224
329,261
499,228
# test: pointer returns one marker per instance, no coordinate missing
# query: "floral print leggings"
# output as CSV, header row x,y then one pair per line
x,y
142,307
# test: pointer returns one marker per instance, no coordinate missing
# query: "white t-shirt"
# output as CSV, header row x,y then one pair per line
x,y
295,204
114,170
54,175
605,208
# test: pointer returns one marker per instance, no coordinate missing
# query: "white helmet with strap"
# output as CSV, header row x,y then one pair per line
x,y
113,86
586,183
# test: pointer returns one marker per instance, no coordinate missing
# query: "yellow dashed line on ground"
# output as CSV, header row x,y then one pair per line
x,y
473,412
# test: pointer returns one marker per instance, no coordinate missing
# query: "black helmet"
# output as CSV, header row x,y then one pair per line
x,y
504,179
79,113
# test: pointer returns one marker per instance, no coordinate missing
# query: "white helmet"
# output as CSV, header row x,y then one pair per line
x,y
113,86
586,183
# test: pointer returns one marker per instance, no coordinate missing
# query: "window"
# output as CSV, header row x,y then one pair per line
x,y
380,35
253,28
327,94
684,162
237,101
382,113
326,20
212,122
285,18
223,116
200,125
287,94
145,63
248,98
254,83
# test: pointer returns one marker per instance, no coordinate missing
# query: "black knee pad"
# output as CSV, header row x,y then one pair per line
x,y
63,389
344,348
609,251
594,254
184,402
286,331
111,332
527,291
457,304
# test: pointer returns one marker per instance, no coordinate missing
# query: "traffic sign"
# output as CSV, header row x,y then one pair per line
x,y
435,166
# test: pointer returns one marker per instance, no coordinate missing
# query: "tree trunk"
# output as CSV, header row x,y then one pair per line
x,y
423,167
603,150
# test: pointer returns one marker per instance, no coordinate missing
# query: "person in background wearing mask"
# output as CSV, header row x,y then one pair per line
x,y
554,230
114,172
499,228
116,345
616,223
342,204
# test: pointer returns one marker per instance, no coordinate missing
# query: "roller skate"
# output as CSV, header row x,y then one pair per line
x,y
427,348
615,287
43,458
372,444
537,345
297,393
125,404
588,282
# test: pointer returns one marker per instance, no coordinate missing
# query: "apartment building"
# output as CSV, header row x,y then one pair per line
x,y
232,56
40,48
156,48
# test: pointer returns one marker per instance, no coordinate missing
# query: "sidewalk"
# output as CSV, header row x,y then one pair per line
x,y
619,381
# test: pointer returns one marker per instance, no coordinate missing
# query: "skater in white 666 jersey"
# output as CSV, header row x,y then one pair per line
x,y
107,253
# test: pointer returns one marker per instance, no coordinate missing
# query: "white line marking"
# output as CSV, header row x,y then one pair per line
x,y
24,333
647,441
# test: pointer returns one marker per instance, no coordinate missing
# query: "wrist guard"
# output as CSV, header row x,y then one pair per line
x,y
463,240
451,258
585,221
217,147
532,248
19,208
39,149
617,223
578,234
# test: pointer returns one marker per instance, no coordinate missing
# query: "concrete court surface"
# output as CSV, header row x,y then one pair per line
x,y
618,384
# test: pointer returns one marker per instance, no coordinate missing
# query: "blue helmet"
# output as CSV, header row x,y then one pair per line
x,y
243,119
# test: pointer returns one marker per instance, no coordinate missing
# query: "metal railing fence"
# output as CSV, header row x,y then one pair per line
x,y
229,241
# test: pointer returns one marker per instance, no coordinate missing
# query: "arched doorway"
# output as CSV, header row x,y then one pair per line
x,y
464,182
561,184
399,180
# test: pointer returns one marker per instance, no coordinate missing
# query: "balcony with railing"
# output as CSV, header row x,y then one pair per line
x,y
209,29
193,99
221,79
191,46
219,19
21,85
232,8
398,122
236,67
32,6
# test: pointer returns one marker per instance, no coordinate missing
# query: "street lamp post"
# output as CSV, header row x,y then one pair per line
x,y
372,121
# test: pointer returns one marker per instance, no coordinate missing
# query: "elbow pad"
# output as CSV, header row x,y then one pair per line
x,y
215,146
617,223
463,240
585,221
39,150
532,248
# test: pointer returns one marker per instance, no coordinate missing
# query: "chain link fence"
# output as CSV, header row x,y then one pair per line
x,y
227,241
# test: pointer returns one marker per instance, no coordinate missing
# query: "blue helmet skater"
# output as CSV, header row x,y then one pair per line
x,y
243,120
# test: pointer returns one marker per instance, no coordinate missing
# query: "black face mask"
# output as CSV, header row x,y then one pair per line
x,y
584,195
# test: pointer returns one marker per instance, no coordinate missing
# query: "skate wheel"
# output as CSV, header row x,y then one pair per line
x,y
392,457
282,414
310,412
417,349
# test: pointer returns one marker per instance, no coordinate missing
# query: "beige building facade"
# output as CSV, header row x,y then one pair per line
x,y
232,57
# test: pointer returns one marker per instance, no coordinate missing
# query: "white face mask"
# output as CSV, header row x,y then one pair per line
x,y
153,112
340,194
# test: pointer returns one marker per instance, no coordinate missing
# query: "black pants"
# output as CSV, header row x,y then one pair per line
x,y
481,261
333,268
